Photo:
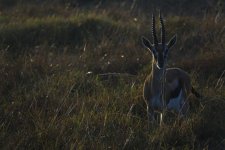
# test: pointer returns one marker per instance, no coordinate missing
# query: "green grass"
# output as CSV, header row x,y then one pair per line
x,y
49,101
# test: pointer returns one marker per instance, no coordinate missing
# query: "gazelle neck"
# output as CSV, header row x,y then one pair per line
x,y
157,73
158,81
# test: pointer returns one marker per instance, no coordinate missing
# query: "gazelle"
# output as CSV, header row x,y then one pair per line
x,y
165,88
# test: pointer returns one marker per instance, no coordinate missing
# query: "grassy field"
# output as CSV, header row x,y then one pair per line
x,y
56,93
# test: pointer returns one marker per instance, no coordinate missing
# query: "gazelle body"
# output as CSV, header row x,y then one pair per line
x,y
165,88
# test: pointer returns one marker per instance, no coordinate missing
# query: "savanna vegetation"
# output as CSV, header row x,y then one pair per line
x,y
56,90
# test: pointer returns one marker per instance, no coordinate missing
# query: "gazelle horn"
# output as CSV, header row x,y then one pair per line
x,y
155,41
163,36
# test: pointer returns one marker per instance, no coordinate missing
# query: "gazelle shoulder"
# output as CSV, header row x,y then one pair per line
x,y
176,71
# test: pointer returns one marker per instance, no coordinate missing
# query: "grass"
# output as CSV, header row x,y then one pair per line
x,y
50,101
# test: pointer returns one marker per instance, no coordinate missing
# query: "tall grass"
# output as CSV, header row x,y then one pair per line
x,y
55,93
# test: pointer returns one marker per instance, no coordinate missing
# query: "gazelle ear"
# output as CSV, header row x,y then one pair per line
x,y
146,43
172,41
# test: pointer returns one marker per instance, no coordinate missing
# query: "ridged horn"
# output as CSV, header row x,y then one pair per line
x,y
155,41
163,36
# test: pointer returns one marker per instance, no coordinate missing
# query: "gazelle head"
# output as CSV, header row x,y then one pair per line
x,y
159,50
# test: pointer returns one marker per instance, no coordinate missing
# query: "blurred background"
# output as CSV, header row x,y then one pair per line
x,y
112,27
181,7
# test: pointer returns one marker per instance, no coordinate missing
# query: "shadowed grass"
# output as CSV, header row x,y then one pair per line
x,y
54,30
